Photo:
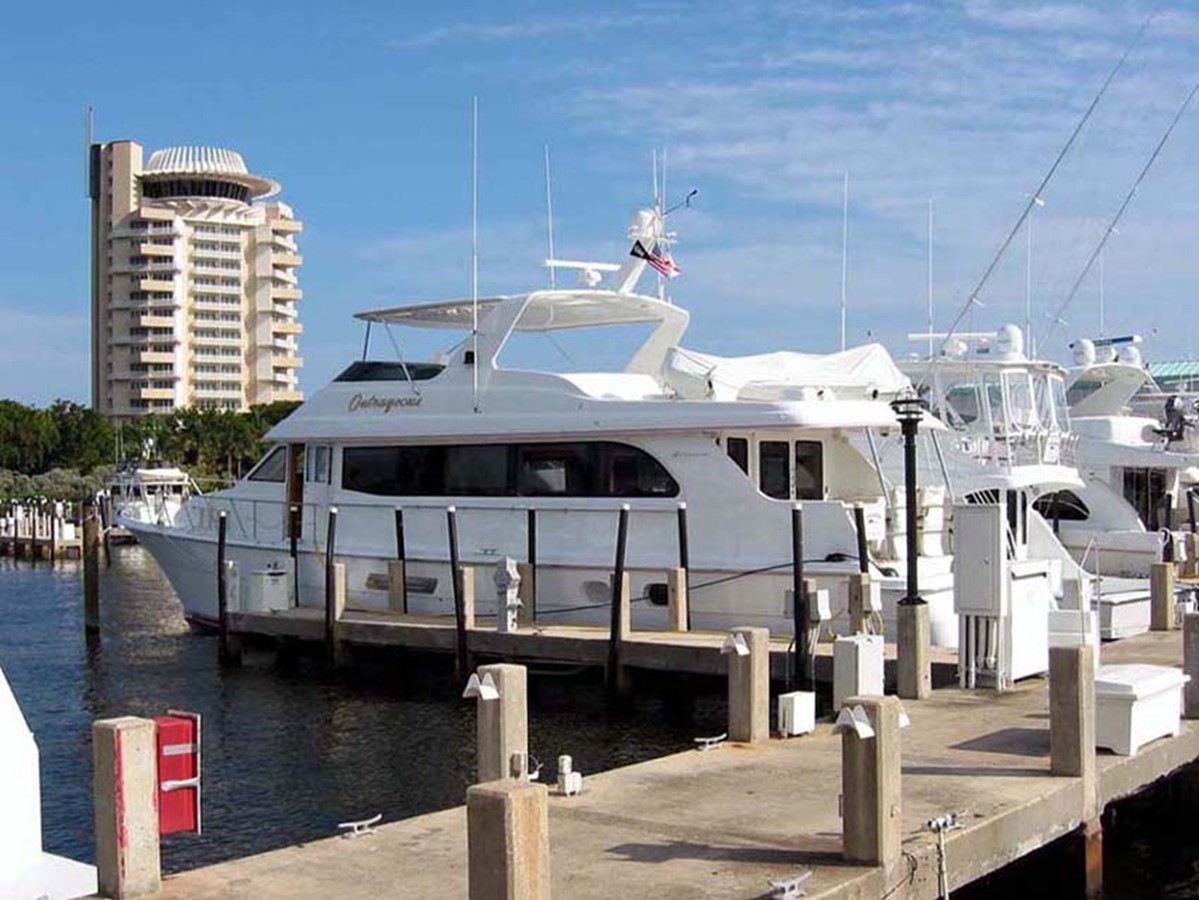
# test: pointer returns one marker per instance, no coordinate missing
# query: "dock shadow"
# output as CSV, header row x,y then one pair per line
x,y
975,771
668,851
1011,741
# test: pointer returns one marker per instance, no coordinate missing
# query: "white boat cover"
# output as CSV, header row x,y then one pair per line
x,y
861,372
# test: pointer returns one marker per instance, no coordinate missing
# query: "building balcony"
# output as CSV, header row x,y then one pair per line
x,y
286,362
155,213
128,340
142,376
153,393
199,343
280,395
278,292
150,320
160,307
155,284
215,289
167,250
152,356
289,226
287,260
285,241
289,326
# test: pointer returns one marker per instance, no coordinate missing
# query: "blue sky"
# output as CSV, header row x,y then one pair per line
x,y
362,111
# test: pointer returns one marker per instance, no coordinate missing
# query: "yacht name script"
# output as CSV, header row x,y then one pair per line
x,y
372,403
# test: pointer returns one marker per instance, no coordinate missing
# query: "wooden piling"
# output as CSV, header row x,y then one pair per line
x,y
527,591
294,524
614,676
106,508
230,649
684,567
397,569
462,647
91,570
333,608
804,662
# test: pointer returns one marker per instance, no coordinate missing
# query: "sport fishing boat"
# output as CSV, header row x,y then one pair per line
x,y
150,493
1137,469
738,440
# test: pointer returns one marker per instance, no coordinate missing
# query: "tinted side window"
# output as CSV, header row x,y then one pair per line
x,y
774,469
272,468
809,470
629,472
738,451
479,470
554,469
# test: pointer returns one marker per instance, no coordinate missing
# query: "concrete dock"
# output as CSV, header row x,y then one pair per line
x,y
695,652
725,823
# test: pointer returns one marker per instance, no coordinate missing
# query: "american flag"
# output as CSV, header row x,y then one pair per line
x,y
661,262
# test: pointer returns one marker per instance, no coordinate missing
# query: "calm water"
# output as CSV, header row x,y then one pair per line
x,y
289,753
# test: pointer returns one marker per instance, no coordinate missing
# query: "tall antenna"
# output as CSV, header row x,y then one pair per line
x,y
662,223
930,277
474,251
844,250
972,298
549,213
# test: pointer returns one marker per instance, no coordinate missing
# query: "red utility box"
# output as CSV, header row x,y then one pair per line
x,y
178,772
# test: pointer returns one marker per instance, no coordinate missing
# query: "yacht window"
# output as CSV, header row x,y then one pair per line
x,y
272,468
1023,413
318,458
1043,392
738,451
809,470
630,472
480,470
1060,404
962,400
774,469
1069,508
582,469
993,391
549,469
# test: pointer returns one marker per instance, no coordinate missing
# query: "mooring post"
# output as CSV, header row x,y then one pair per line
x,y
125,790
682,580
1191,511
230,646
397,570
527,614
748,652
1161,596
871,811
53,533
501,721
91,570
295,523
858,586
507,837
462,655
803,662
1072,746
619,623
335,594
106,508
914,665
1190,664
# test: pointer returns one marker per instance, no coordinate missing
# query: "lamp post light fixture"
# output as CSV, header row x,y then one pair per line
x,y
909,411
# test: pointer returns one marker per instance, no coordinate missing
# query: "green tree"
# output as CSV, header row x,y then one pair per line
x,y
85,438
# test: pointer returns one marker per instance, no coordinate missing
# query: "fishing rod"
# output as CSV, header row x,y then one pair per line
x,y
1036,196
1056,318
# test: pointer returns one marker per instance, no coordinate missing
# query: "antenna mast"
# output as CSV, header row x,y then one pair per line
x,y
474,240
844,251
930,277
549,213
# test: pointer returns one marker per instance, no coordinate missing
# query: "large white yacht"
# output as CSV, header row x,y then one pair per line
x,y
1137,469
739,440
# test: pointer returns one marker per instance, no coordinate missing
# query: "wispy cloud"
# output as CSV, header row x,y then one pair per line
x,y
524,30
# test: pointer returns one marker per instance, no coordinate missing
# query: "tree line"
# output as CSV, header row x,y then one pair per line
x,y
212,445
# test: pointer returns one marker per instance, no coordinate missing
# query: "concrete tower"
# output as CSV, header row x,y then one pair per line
x,y
194,284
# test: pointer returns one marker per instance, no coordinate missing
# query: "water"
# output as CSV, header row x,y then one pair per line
x,y
289,753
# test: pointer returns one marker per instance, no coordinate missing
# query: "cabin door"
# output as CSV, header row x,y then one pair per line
x,y
293,514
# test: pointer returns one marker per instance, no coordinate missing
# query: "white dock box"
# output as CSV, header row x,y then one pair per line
x,y
1134,704
797,713
857,667
268,589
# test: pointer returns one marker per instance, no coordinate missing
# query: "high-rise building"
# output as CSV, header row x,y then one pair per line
x,y
194,285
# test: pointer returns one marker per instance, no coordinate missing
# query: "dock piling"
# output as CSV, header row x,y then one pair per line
x,y
294,524
462,649
804,664
527,615
502,722
748,651
619,623
1161,596
1190,665
335,594
682,588
914,665
106,513
1072,718
125,785
91,570
230,646
397,569
871,811
508,846
678,607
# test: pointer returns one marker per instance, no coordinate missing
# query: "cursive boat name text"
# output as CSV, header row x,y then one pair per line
x,y
371,403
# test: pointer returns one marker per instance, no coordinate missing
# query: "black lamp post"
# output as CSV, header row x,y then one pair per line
x,y
909,412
